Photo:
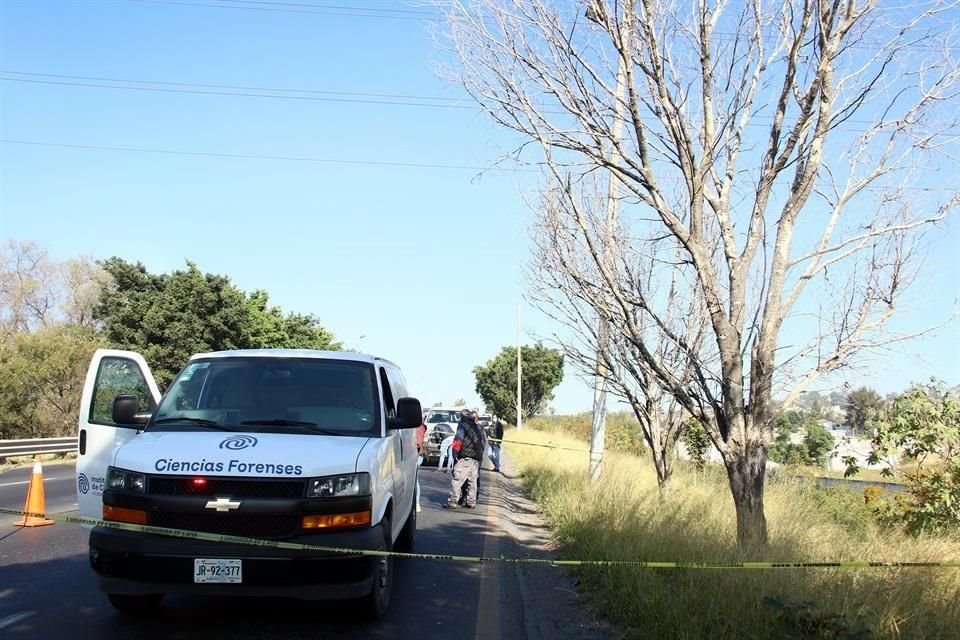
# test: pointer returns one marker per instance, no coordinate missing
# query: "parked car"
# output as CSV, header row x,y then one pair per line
x,y
432,442
438,415
486,422
300,446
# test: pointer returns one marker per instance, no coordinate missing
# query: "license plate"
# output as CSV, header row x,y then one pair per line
x,y
217,570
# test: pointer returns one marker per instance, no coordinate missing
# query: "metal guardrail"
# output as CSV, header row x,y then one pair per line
x,y
36,446
859,485
851,484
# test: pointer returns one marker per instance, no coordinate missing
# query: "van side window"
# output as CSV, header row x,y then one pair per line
x,y
114,377
390,407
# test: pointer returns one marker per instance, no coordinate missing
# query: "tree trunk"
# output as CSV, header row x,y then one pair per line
x,y
664,472
746,471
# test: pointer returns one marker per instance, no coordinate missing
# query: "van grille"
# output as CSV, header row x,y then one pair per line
x,y
269,526
226,487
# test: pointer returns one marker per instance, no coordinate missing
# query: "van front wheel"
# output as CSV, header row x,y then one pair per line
x,y
376,603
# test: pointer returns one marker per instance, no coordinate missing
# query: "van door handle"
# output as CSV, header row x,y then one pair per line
x,y
82,445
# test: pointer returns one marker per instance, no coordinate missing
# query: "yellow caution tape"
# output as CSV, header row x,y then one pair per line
x,y
534,444
294,546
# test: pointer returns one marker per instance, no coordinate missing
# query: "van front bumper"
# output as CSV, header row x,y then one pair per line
x,y
132,563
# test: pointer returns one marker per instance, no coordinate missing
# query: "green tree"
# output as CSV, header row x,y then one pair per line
x,y
41,380
169,317
862,405
271,329
816,445
497,380
837,398
924,426
784,450
819,443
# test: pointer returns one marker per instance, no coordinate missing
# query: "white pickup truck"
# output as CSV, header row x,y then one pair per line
x,y
301,446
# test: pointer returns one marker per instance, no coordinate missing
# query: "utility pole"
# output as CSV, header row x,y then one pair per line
x,y
519,373
597,13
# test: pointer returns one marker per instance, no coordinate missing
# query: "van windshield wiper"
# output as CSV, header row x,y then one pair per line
x,y
283,422
201,421
280,422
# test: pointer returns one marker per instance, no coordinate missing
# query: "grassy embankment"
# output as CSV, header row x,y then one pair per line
x,y
622,518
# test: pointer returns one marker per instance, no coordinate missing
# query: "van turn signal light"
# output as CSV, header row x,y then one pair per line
x,y
336,520
119,514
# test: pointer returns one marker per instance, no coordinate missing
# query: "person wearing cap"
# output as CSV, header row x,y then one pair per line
x,y
468,447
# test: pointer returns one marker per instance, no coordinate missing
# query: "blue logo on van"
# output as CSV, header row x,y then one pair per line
x,y
83,485
235,443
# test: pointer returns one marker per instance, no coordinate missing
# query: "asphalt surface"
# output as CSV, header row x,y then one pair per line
x,y
47,588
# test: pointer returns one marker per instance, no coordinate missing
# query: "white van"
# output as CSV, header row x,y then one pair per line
x,y
303,446
440,415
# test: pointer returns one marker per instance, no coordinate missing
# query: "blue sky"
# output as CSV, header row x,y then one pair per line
x,y
424,263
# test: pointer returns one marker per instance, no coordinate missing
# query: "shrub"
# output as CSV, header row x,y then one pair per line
x,y
697,442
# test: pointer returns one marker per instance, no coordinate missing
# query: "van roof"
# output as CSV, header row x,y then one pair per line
x,y
293,353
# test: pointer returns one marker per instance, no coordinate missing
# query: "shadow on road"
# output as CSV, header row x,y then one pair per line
x,y
46,572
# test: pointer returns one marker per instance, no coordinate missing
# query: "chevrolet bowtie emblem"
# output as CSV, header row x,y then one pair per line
x,y
223,504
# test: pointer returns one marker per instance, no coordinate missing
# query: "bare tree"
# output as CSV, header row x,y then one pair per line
x,y
28,287
37,292
83,281
799,133
567,285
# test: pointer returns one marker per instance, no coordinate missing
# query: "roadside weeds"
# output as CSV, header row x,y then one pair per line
x,y
622,518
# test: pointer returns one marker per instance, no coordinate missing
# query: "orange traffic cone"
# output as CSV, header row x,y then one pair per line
x,y
36,503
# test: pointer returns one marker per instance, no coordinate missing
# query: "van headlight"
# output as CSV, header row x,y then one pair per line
x,y
354,484
123,480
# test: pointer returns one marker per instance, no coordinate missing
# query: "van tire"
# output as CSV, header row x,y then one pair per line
x,y
375,604
135,604
408,534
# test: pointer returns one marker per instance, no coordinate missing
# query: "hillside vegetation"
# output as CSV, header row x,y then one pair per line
x,y
622,517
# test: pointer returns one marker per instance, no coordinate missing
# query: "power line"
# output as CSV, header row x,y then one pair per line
x,y
329,6
309,159
250,156
234,87
431,16
245,92
358,13
240,94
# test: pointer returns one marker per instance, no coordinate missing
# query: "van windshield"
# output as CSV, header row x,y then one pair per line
x,y
286,395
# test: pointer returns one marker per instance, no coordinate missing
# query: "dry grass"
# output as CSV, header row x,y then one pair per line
x,y
622,518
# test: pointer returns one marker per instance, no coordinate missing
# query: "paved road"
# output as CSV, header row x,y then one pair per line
x,y
57,486
48,590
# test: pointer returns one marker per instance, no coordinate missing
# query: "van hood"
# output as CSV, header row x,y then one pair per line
x,y
274,455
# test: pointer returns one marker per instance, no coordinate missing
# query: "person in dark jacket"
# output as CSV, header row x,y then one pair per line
x,y
496,436
468,447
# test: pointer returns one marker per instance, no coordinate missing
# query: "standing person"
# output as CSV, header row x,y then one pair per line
x,y
446,455
421,451
496,437
486,452
468,446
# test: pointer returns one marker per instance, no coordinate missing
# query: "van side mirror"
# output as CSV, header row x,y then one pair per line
x,y
409,413
126,410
